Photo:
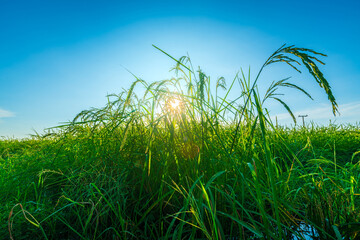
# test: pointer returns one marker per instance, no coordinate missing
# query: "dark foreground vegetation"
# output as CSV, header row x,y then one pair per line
x,y
182,162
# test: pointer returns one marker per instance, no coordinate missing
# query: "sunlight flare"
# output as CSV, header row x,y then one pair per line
x,y
174,105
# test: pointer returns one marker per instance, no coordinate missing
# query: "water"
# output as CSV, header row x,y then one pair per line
x,y
307,232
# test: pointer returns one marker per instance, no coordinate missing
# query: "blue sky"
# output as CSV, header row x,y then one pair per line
x,y
60,57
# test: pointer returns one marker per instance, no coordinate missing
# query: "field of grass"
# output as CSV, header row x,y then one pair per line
x,y
183,161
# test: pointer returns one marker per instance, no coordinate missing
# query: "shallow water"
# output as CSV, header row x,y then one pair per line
x,y
307,232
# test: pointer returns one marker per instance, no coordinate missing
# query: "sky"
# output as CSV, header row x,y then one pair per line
x,y
58,58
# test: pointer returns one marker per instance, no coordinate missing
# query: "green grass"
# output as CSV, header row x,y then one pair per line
x,y
213,168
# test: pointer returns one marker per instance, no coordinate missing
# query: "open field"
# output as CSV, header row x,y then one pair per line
x,y
182,162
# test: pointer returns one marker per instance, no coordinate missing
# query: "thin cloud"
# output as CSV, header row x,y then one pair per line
x,y
4,113
349,113
350,109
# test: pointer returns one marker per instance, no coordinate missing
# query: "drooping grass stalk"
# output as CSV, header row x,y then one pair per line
x,y
303,54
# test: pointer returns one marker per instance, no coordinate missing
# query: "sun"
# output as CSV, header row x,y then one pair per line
x,y
174,105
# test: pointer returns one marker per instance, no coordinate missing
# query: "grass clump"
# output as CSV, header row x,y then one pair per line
x,y
183,161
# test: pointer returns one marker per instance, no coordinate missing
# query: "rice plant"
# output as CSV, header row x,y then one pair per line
x,y
183,161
